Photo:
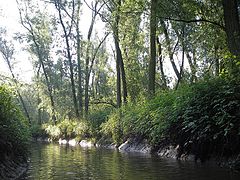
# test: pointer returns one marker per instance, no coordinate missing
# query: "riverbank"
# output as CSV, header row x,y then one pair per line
x,y
175,152
12,168
196,122
165,151
14,137
54,161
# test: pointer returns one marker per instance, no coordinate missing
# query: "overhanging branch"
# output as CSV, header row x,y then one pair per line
x,y
194,21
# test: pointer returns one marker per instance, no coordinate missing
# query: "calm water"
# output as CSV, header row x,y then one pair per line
x,y
54,162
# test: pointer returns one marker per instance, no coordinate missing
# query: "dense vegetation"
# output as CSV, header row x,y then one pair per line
x,y
203,118
164,70
14,129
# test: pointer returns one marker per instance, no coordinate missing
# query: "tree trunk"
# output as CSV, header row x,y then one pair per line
x,y
41,60
39,110
66,36
80,91
119,94
161,64
217,64
192,66
232,27
122,70
119,60
152,60
87,71
182,65
170,52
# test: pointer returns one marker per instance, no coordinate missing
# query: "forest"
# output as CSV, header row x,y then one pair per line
x,y
166,71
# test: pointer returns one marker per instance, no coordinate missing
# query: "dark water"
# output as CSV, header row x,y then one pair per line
x,y
54,162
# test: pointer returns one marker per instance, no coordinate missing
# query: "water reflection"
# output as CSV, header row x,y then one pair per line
x,y
54,162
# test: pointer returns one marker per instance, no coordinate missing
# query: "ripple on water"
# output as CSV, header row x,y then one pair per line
x,y
54,162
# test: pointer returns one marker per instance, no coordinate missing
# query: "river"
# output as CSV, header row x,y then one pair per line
x,y
55,162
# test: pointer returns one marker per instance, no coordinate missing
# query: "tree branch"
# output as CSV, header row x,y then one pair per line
x,y
104,102
194,21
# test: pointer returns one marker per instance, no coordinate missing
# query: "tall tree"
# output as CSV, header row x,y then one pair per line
x,y
152,60
80,91
87,72
67,33
7,51
121,75
232,26
37,33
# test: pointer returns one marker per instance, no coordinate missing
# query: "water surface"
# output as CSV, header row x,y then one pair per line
x,y
54,162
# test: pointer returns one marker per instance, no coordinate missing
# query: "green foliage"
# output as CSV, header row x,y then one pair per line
x,y
205,112
213,112
113,127
97,116
37,131
68,129
14,129
149,119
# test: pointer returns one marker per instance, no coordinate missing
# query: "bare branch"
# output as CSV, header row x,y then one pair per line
x,y
95,53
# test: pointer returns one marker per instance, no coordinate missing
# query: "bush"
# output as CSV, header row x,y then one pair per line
x,y
14,129
206,113
212,116
97,116
113,128
68,129
37,131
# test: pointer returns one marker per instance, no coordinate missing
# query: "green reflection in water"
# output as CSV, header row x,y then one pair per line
x,y
54,162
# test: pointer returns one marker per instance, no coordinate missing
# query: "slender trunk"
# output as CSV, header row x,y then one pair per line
x,y
49,89
87,69
182,39
39,110
170,52
122,71
66,36
80,91
41,59
93,82
161,64
182,65
217,64
119,60
119,94
7,53
152,61
18,92
86,85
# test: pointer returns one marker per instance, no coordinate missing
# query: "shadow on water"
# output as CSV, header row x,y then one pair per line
x,y
54,162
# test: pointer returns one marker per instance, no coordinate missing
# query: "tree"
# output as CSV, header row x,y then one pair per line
x,y
67,31
7,51
37,33
232,26
152,61
87,71
80,91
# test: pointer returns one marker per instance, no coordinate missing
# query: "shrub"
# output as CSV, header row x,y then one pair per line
x,y
212,116
14,129
97,116
206,113
67,129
